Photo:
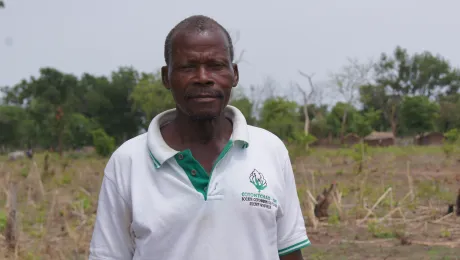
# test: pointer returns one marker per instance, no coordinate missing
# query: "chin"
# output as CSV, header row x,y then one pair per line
x,y
205,115
203,112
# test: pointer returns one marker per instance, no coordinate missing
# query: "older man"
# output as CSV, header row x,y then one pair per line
x,y
201,184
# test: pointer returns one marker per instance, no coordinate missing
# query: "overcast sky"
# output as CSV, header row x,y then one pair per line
x,y
279,37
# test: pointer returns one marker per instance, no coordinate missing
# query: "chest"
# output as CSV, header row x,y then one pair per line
x,y
245,192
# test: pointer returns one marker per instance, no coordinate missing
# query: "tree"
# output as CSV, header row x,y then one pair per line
x,y
348,81
401,75
432,75
245,105
419,114
307,96
335,118
79,131
363,123
281,117
238,57
151,97
112,106
49,100
11,124
449,118
261,93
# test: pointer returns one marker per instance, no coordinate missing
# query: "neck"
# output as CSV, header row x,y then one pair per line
x,y
191,130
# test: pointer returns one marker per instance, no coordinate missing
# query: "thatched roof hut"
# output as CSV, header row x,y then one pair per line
x,y
429,138
351,139
380,139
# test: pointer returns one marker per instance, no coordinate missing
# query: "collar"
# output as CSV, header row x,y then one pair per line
x,y
160,152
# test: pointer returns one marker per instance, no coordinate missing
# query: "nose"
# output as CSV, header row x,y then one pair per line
x,y
203,77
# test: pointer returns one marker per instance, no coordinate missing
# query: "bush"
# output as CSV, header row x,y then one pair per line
x,y
452,136
103,143
451,144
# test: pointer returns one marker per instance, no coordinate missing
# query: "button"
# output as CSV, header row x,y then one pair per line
x,y
180,156
193,172
205,188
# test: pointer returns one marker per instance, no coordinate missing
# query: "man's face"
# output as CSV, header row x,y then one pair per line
x,y
201,74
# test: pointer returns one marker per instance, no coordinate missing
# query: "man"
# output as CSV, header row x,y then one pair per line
x,y
200,184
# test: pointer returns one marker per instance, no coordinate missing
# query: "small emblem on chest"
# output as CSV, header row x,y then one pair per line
x,y
258,180
258,199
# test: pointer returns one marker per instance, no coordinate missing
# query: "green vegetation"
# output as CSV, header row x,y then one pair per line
x,y
384,193
403,93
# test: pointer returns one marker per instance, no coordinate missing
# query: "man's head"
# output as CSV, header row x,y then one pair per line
x,y
199,69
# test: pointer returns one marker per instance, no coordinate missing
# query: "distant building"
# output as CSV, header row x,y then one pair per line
x,y
430,138
351,139
380,139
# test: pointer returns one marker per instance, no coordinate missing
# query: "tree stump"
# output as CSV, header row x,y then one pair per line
x,y
458,203
324,200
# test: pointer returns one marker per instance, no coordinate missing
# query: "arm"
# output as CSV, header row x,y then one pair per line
x,y
292,235
111,236
296,255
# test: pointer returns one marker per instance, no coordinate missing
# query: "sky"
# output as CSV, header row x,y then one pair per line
x,y
279,37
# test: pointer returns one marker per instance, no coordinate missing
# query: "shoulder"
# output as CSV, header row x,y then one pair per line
x,y
267,142
122,158
120,166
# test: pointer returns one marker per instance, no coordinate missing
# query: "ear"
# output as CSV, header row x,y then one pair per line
x,y
164,77
236,75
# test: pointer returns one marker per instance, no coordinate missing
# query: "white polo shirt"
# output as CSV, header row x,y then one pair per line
x,y
159,204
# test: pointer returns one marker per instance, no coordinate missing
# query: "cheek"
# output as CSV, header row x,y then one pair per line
x,y
225,79
177,95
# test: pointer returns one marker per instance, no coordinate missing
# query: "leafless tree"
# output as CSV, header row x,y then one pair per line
x,y
260,93
238,57
348,80
308,94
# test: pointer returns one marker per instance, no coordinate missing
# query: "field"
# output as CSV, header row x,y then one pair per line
x,y
390,203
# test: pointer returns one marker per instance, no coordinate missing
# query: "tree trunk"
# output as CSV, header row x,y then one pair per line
x,y
394,123
306,126
59,117
61,133
342,128
458,204
323,201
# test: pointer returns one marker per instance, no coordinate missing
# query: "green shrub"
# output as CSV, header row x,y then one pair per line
x,y
452,136
103,143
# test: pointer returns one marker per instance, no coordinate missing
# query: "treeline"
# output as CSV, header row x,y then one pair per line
x,y
404,93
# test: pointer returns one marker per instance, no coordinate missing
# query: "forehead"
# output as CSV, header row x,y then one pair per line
x,y
209,41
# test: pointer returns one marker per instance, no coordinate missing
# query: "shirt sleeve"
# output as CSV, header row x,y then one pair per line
x,y
292,234
111,237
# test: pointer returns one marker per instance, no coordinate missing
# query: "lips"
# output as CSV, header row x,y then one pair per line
x,y
204,98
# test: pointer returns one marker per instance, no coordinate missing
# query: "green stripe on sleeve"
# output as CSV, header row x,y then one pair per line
x,y
294,247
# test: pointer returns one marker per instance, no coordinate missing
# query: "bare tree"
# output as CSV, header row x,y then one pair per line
x,y
308,94
238,57
260,93
348,81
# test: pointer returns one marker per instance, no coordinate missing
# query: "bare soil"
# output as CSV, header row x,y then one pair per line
x,y
56,204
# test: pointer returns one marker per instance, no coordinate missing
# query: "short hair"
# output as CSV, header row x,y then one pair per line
x,y
199,24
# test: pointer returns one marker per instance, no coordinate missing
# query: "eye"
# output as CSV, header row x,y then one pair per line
x,y
217,66
187,67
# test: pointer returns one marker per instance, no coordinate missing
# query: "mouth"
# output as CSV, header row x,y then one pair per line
x,y
204,98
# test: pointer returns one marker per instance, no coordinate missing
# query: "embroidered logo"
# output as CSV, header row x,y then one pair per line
x,y
258,180
258,199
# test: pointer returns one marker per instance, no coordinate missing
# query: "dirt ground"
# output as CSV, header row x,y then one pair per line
x,y
423,232
57,200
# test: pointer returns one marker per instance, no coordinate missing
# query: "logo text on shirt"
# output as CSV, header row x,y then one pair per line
x,y
258,199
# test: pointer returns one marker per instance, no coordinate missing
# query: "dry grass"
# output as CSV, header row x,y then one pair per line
x,y
55,206
390,205
388,200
